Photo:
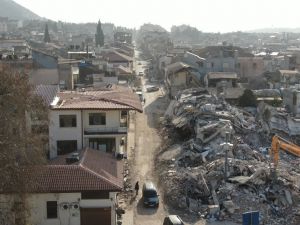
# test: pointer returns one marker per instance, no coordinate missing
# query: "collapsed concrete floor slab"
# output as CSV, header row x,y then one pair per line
x,y
193,171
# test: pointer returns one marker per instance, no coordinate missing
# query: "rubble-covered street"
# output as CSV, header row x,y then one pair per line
x,y
192,163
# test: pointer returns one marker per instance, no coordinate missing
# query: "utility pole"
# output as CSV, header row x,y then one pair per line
x,y
226,146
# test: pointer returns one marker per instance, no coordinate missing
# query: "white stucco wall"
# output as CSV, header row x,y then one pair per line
x,y
57,133
112,118
37,204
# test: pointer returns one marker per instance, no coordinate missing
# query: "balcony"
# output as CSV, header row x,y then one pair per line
x,y
105,130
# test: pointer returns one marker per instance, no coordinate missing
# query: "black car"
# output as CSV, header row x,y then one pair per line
x,y
150,196
152,88
173,220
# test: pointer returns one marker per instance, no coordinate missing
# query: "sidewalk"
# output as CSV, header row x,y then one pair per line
x,y
131,136
127,218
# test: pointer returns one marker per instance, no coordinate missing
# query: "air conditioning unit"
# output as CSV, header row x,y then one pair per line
x,y
75,205
65,206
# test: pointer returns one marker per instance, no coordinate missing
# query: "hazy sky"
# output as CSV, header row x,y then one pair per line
x,y
206,15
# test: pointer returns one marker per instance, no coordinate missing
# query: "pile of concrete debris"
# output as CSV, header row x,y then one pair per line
x,y
198,179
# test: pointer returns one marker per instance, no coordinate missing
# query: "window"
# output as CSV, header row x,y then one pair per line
x,y
225,65
64,147
67,120
51,209
97,119
200,64
95,195
254,65
123,113
103,144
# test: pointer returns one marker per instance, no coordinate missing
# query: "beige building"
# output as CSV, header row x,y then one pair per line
x,y
289,78
180,76
250,66
291,99
221,79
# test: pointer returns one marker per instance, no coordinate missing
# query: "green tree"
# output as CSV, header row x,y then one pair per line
x,y
247,99
99,36
46,34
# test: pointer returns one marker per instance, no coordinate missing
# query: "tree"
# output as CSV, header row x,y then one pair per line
x,y
20,148
46,34
99,36
247,99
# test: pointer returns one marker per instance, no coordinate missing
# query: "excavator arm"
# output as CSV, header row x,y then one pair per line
x,y
278,144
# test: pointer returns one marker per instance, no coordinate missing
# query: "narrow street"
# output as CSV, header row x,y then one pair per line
x,y
143,150
147,142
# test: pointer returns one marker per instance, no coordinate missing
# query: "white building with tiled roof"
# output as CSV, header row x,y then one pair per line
x,y
91,118
74,189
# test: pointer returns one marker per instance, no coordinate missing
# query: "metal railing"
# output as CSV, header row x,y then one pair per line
x,y
99,130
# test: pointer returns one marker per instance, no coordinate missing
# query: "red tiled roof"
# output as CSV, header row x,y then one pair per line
x,y
117,98
46,92
114,56
94,172
124,70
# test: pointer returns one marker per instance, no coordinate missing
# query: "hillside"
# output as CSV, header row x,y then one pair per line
x,y
13,10
276,30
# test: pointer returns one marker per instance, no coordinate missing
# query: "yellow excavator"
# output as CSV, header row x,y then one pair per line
x,y
278,143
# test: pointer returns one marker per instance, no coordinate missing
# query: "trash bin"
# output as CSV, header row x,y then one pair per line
x,y
251,218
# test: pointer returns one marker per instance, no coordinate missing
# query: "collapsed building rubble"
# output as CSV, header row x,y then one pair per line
x,y
278,120
195,167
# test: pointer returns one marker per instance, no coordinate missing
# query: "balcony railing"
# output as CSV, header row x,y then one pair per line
x,y
105,130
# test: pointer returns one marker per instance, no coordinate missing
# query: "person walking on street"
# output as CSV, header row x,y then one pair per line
x,y
137,187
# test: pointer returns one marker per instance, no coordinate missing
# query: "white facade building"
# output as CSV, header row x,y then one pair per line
x,y
95,119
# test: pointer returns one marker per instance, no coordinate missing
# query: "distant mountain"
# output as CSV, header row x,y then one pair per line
x,y
276,30
12,10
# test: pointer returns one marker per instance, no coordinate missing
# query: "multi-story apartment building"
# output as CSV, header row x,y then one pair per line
x,y
91,118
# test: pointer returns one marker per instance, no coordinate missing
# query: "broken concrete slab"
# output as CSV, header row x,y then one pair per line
x,y
194,205
229,206
239,179
288,197
213,209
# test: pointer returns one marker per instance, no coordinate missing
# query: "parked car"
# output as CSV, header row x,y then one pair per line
x,y
141,74
173,220
139,63
150,196
152,88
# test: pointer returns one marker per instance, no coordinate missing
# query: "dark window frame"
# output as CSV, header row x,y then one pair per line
x,y
62,146
68,120
52,209
97,119
95,195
